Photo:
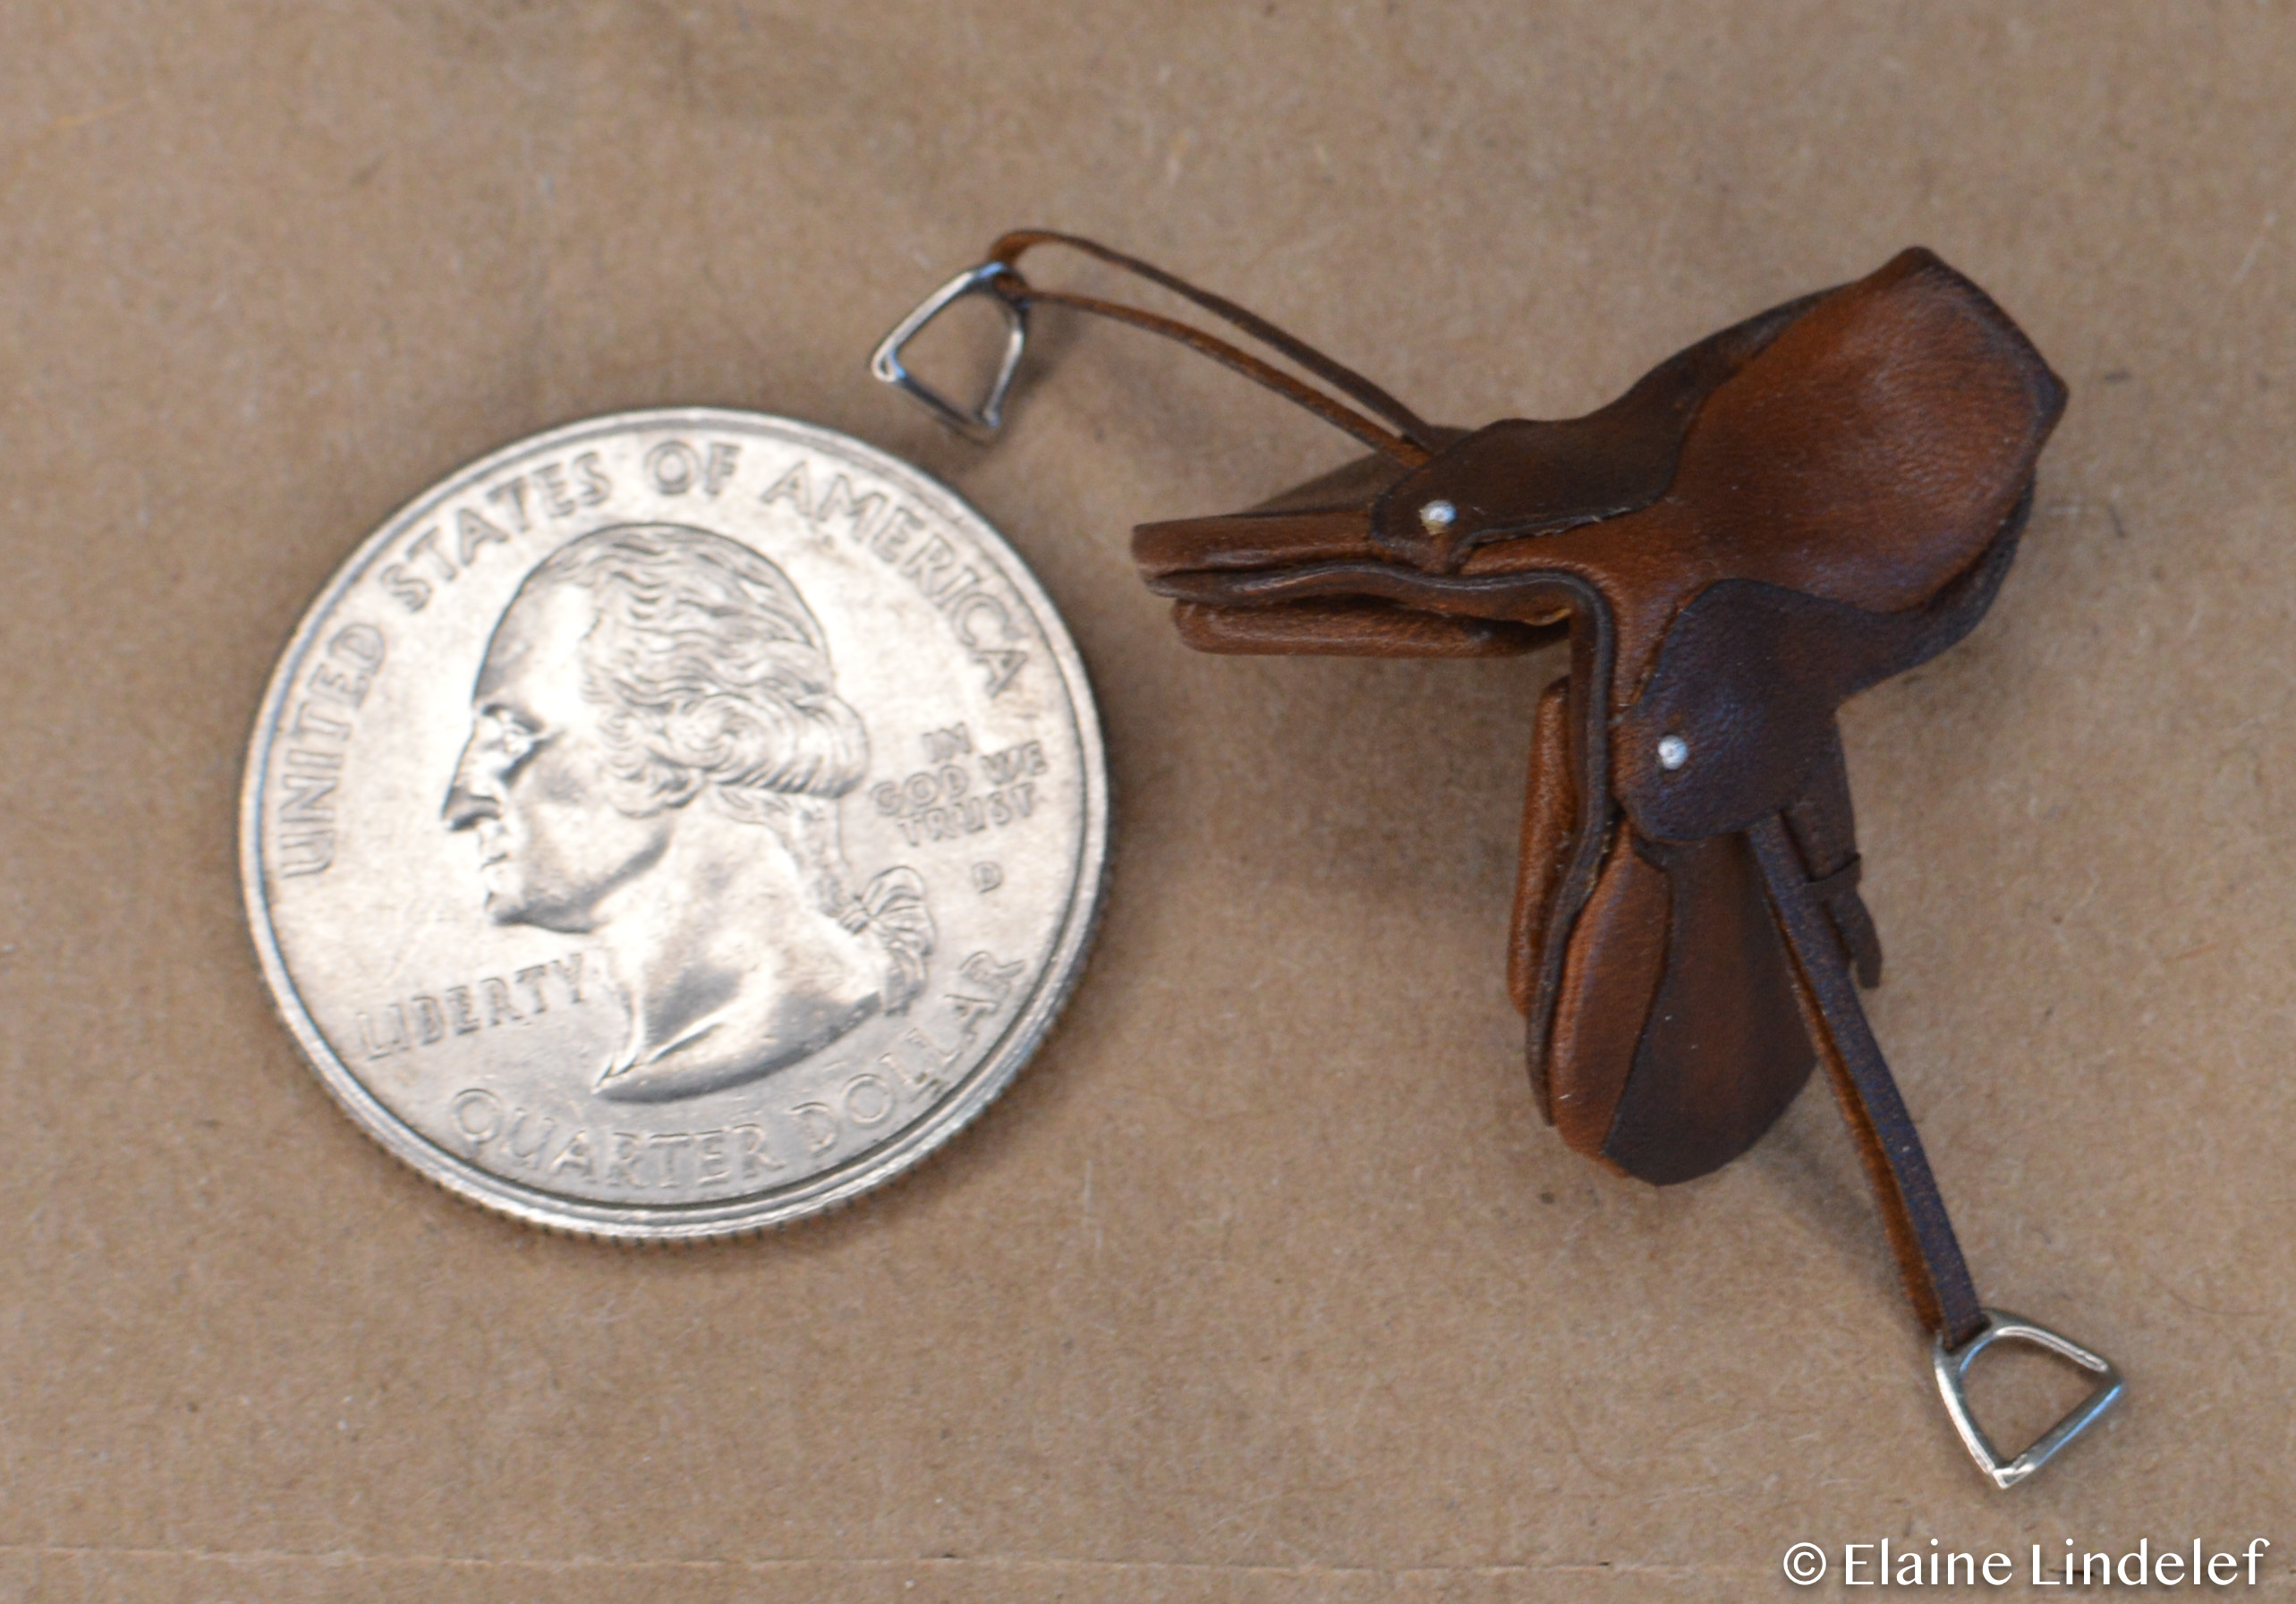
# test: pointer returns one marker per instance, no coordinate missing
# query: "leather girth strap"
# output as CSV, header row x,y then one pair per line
x,y
1913,1211
1808,862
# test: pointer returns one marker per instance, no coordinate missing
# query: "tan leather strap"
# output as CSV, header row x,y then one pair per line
x,y
1929,1257
1411,442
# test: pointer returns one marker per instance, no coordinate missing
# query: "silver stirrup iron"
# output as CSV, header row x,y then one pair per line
x,y
981,422
1952,1368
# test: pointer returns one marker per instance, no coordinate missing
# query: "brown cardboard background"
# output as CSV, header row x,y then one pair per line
x,y
1263,1283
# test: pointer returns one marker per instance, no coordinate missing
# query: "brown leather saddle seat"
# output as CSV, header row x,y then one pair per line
x,y
1784,515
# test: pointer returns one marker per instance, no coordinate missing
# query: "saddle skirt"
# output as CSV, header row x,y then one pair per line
x,y
1781,515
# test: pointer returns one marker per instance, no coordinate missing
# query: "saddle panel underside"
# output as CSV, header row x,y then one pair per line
x,y
1724,1048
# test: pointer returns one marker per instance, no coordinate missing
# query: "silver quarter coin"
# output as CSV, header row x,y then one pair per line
x,y
674,824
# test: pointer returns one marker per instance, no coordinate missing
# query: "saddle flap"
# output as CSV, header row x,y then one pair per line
x,y
1741,702
1671,1037
1678,1036
1326,519
1323,523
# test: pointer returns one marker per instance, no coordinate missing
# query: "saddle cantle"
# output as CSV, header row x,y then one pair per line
x,y
1787,513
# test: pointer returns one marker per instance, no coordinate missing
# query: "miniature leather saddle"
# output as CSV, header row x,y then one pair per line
x,y
1789,512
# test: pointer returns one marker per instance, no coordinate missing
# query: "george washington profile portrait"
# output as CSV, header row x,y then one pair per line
x,y
656,757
